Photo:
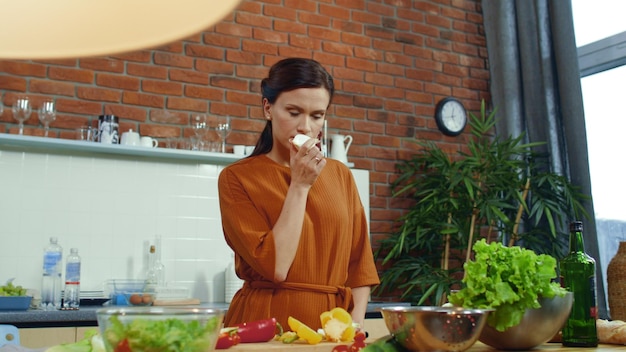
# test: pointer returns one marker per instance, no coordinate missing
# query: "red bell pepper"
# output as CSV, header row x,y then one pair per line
x,y
259,330
228,338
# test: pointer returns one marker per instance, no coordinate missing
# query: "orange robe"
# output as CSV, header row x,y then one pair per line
x,y
334,253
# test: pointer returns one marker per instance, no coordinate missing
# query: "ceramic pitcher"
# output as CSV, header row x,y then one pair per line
x,y
339,147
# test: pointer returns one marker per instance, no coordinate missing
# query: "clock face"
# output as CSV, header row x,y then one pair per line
x,y
450,116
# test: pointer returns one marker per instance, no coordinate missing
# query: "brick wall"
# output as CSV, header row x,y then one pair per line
x,y
392,61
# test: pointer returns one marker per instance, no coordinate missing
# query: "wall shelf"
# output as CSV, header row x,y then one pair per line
x,y
75,147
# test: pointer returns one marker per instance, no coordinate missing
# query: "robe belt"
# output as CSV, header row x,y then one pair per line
x,y
343,294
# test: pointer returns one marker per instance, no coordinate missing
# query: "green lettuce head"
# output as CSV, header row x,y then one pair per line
x,y
507,279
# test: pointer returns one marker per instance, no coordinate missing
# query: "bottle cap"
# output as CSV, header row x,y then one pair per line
x,y
576,226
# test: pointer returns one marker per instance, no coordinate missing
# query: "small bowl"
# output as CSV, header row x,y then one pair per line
x,y
117,323
120,291
139,298
537,326
15,302
426,329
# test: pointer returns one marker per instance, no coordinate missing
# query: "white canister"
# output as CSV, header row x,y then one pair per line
x,y
130,138
108,129
232,283
239,149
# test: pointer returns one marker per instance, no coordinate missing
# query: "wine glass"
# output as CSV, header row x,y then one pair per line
x,y
47,114
223,130
199,126
200,129
21,111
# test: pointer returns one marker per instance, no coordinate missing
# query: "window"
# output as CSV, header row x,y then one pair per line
x,y
600,35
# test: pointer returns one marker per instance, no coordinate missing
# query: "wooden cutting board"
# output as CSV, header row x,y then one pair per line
x,y
282,347
376,328
176,302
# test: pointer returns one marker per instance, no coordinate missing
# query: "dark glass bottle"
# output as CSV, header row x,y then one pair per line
x,y
578,275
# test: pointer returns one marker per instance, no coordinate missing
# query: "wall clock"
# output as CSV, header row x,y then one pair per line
x,y
450,116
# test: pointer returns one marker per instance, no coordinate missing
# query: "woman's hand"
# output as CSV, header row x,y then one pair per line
x,y
306,163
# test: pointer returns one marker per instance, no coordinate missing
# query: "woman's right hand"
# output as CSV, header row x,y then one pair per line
x,y
306,163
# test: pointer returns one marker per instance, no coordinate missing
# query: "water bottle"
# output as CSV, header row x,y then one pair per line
x,y
156,270
71,298
51,284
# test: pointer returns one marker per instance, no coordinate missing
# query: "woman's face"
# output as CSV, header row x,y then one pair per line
x,y
301,110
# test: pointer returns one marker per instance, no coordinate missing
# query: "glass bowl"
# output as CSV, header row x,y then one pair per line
x,y
120,291
189,329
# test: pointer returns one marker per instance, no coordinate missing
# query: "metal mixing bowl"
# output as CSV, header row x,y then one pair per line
x,y
435,328
537,326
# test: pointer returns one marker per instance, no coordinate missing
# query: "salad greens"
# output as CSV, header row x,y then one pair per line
x,y
507,279
11,290
171,334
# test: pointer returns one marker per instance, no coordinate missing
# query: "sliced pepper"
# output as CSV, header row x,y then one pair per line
x,y
303,331
337,325
289,337
228,338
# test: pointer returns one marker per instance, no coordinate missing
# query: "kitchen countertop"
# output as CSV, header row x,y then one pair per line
x,y
86,315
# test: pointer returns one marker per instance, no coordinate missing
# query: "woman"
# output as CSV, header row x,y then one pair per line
x,y
293,218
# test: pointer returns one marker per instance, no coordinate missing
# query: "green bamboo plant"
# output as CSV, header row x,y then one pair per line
x,y
498,188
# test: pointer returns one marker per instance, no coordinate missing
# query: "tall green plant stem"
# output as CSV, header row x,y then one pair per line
x,y
520,211
446,252
470,240
446,256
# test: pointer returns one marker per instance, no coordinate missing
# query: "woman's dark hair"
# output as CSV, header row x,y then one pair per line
x,y
286,75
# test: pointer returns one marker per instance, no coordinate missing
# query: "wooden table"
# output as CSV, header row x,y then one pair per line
x,y
275,346
377,328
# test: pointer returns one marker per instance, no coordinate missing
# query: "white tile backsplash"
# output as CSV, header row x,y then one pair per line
x,y
109,208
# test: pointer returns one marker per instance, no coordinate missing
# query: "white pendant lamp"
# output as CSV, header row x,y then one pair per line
x,y
55,29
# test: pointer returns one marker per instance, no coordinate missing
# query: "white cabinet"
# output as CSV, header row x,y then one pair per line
x,y
47,337
362,179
